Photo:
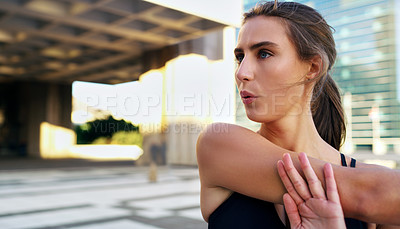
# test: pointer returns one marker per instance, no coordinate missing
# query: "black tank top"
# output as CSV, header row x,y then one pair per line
x,y
240,211
352,223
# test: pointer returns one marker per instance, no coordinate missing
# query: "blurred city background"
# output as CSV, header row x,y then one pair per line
x,y
101,103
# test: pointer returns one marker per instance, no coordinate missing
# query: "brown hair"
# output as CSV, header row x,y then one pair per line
x,y
312,36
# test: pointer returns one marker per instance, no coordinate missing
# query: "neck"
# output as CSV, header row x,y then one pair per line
x,y
296,133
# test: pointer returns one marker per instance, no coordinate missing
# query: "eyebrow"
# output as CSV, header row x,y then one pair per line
x,y
258,45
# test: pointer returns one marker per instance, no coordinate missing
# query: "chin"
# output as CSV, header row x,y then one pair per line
x,y
257,117
262,117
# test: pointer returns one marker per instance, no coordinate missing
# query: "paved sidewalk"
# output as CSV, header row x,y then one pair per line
x,y
115,197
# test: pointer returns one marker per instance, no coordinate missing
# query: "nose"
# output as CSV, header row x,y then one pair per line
x,y
244,71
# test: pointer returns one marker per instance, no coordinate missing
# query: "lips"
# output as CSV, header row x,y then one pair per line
x,y
247,97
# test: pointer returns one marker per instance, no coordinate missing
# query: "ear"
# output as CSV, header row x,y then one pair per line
x,y
315,67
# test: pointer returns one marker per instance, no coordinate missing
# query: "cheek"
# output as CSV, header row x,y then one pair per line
x,y
287,71
274,75
271,83
285,95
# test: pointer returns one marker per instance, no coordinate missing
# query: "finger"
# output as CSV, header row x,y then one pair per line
x,y
314,183
288,184
292,211
297,181
331,188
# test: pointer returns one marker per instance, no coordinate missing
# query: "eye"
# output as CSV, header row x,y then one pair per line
x,y
239,58
262,54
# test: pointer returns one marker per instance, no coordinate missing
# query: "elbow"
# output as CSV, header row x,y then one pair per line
x,y
363,207
368,204
358,198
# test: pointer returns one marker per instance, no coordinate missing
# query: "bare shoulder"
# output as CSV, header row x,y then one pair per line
x,y
221,133
220,140
235,159
210,149
219,143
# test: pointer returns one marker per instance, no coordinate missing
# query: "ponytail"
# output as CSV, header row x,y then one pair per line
x,y
327,112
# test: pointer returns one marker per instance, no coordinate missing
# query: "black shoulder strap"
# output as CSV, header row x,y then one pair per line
x,y
343,160
353,163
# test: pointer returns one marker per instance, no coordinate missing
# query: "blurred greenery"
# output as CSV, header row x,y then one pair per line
x,y
121,138
108,131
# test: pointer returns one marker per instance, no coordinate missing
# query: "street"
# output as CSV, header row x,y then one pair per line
x,y
116,197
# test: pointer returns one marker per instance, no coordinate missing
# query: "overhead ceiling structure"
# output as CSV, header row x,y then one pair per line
x,y
89,40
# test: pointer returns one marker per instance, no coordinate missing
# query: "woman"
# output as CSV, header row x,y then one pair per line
x,y
284,52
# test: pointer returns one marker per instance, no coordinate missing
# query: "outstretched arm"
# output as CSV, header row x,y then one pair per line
x,y
299,189
237,159
368,194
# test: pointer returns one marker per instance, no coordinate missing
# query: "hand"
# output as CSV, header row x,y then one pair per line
x,y
306,204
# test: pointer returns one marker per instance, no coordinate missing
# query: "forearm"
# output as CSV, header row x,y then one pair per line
x,y
368,194
387,227
377,198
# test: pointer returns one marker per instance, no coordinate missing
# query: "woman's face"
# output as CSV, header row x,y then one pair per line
x,y
268,70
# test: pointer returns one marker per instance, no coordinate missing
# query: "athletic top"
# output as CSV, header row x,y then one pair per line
x,y
244,212
240,211
352,223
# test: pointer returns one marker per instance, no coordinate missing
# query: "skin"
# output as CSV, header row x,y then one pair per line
x,y
311,208
233,158
306,203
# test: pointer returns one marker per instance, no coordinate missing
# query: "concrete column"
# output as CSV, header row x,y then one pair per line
x,y
35,97
45,102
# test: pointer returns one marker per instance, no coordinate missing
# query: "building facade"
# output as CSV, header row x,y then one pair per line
x,y
47,45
